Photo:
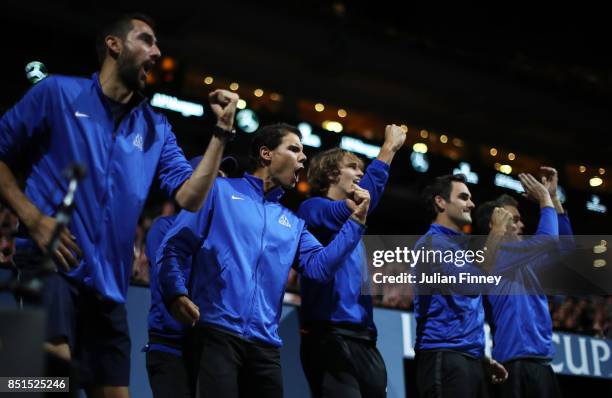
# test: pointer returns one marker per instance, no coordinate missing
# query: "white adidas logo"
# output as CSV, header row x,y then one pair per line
x,y
237,197
284,221
79,114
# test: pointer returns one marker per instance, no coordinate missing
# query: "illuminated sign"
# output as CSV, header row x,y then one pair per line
x,y
595,205
308,138
419,162
247,121
465,169
358,146
170,103
505,181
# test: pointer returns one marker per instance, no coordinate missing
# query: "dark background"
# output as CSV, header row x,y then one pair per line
x,y
536,82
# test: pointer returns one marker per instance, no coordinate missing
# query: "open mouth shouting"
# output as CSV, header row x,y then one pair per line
x,y
296,173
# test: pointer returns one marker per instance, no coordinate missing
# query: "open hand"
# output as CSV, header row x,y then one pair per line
x,y
550,179
535,190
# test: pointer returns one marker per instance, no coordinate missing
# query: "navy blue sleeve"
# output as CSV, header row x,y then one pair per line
x,y
181,242
549,224
332,214
537,251
565,226
26,119
155,236
321,263
173,169
567,243
374,180
324,213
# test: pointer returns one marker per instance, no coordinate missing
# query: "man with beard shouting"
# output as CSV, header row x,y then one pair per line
x,y
107,125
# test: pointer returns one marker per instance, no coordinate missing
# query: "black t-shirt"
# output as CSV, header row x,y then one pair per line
x,y
119,110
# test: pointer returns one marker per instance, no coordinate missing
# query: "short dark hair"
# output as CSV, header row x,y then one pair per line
x,y
506,200
485,211
441,186
325,165
482,217
118,26
269,136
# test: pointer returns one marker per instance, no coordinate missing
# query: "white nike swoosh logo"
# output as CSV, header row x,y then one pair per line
x,y
79,114
237,197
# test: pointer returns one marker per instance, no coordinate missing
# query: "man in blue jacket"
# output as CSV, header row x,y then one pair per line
x,y
167,365
450,318
105,124
521,322
338,349
243,244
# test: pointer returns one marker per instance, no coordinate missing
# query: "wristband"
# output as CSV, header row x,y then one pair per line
x,y
227,135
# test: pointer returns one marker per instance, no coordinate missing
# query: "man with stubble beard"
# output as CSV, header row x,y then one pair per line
x,y
242,244
107,125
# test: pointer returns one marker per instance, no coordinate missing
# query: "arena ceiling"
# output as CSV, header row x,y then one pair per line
x,y
539,81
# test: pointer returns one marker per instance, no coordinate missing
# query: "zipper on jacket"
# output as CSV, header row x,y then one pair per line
x,y
109,168
246,331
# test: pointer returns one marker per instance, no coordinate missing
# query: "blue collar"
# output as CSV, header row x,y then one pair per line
x,y
441,229
257,184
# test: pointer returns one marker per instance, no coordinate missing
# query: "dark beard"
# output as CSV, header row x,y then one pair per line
x,y
129,72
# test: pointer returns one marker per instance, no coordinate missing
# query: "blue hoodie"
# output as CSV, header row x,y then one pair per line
x,y
340,300
243,243
521,322
63,120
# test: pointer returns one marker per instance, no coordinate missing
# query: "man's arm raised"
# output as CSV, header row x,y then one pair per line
x,y
193,192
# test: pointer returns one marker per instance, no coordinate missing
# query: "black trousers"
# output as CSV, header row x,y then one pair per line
x,y
168,375
343,367
228,366
449,374
529,378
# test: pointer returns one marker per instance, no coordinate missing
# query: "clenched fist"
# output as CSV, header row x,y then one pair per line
x,y
223,104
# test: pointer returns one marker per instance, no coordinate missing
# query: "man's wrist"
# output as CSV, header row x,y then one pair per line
x,y
30,218
387,146
224,132
358,220
498,231
547,203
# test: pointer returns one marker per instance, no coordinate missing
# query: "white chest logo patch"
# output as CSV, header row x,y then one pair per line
x,y
284,221
138,141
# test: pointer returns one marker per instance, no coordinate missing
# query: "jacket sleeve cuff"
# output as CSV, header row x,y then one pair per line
x,y
379,164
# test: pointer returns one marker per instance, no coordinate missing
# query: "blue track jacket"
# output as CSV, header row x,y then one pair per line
x,y
450,321
161,323
341,300
521,322
243,243
63,120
